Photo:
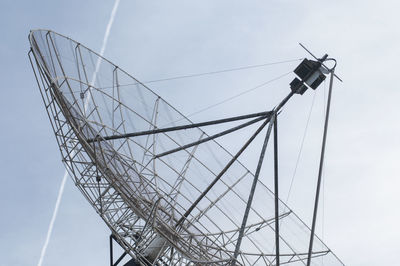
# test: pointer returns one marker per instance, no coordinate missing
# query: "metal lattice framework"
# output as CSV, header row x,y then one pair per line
x,y
169,196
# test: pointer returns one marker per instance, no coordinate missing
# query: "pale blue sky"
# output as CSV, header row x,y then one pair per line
x,y
168,38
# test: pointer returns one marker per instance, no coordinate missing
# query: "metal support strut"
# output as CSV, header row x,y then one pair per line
x,y
268,116
169,129
223,171
321,164
276,191
112,255
268,119
253,188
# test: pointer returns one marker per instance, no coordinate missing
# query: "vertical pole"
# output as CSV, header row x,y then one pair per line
x,y
111,251
321,164
253,188
276,190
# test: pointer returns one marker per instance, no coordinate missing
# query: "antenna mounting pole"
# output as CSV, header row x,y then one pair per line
x,y
321,164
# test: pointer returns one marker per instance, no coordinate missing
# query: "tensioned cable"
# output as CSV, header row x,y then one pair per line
x,y
301,148
299,154
230,98
223,71
239,94
194,75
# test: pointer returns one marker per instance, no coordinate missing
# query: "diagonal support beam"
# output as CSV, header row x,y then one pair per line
x,y
169,129
212,137
268,116
218,177
234,158
253,188
321,165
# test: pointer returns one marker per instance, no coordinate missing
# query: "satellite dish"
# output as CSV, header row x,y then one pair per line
x,y
170,193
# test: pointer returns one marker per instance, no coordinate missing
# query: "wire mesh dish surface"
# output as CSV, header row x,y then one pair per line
x,y
141,196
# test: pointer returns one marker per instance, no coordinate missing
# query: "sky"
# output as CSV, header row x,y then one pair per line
x,y
151,40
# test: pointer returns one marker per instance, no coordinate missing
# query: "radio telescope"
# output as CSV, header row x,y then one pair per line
x,y
169,192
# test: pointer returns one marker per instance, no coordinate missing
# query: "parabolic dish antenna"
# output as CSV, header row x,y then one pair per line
x,y
170,194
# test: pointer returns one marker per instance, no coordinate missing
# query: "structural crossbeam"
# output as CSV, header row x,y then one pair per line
x,y
169,129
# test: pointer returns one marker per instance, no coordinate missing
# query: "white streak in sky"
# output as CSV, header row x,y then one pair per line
x,y
105,39
61,190
53,218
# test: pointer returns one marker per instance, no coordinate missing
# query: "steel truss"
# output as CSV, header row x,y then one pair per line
x,y
124,190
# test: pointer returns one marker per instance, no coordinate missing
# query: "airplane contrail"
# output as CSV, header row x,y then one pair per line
x,y
105,39
53,218
62,186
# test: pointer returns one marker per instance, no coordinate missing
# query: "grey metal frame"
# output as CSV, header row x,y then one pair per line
x,y
103,177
